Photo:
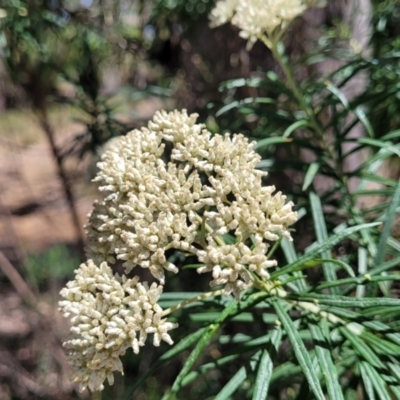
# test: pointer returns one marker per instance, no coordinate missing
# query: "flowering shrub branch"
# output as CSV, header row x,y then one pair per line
x,y
171,185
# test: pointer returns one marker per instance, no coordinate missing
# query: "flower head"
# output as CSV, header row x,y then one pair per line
x,y
109,314
174,185
255,18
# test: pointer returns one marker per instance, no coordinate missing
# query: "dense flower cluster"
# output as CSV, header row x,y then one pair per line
x,y
170,185
166,183
110,314
255,18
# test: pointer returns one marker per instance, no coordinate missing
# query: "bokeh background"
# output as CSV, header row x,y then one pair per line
x,y
74,73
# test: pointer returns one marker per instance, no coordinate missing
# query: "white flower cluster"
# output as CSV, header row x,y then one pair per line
x,y
169,183
231,265
109,314
257,17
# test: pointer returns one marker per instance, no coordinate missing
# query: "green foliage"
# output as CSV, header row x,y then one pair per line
x,y
56,264
326,326
59,53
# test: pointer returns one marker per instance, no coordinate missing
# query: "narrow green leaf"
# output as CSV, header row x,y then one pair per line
x,y
379,179
289,251
192,266
345,301
361,280
369,389
193,375
361,348
381,144
183,344
310,175
285,371
271,140
302,354
326,363
239,103
322,236
194,355
387,226
211,316
385,266
264,373
293,127
340,263
391,135
383,312
233,308
395,390
233,384
375,379
380,345
330,242
357,111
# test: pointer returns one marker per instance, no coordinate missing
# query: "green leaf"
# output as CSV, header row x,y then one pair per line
x,y
387,226
380,345
361,348
385,266
194,355
330,242
369,389
233,384
375,379
289,251
379,179
192,266
345,301
310,175
299,349
391,135
183,344
357,111
381,144
211,316
193,375
294,126
340,263
322,236
264,373
265,366
285,371
234,308
239,103
361,280
326,363
271,140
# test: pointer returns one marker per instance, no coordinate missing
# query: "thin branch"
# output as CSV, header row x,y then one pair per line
x,y
15,278
44,122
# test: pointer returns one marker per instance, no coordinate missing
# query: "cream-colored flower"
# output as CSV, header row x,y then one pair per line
x,y
255,18
174,185
232,265
109,314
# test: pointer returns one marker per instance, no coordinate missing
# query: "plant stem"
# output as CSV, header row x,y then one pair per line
x,y
200,297
272,44
218,239
274,289
44,122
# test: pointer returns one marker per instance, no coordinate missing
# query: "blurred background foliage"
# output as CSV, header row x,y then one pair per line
x,y
109,64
